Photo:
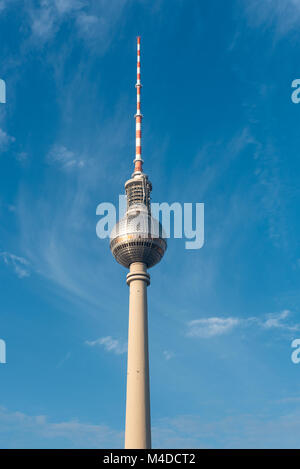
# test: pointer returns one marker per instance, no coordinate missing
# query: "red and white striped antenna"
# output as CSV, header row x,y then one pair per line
x,y
138,162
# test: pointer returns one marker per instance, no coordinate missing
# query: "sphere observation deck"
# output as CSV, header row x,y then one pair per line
x,y
138,237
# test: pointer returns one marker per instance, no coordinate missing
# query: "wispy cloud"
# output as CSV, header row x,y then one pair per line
x,y
64,158
288,400
168,354
233,431
19,264
92,20
281,15
182,431
73,433
88,24
42,21
281,321
63,360
3,5
278,321
5,140
65,6
216,326
45,20
53,236
216,157
97,23
110,344
210,327
22,156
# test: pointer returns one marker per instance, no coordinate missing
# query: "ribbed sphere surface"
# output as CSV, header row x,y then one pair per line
x,y
138,237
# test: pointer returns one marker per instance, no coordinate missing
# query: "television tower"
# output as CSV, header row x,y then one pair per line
x,y
137,243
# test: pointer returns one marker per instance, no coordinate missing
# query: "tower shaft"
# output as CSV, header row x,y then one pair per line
x,y
138,425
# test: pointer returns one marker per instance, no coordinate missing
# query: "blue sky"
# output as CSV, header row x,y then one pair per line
x,y
219,128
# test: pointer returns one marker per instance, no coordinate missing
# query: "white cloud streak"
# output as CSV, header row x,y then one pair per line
x,y
19,264
110,345
168,354
5,140
45,20
210,327
3,5
64,158
206,328
93,20
282,15
27,429
181,431
277,321
233,431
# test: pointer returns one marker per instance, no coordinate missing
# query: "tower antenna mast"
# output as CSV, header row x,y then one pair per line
x,y
138,162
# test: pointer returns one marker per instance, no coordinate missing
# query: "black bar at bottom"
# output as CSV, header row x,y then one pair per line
x,y
133,458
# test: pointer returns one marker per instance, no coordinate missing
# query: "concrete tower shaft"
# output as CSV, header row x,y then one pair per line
x,y
138,425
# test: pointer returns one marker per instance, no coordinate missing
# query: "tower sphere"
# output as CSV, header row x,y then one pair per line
x,y
138,236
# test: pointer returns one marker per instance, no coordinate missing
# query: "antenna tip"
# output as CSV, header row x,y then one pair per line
x,y
138,39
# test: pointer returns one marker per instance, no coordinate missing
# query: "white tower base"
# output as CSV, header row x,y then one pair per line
x,y
138,425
